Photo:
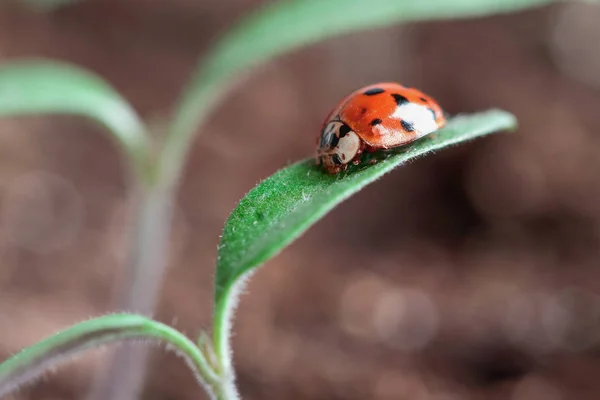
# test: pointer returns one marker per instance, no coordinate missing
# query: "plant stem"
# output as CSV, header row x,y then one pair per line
x,y
226,391
125,374
221,331
222,322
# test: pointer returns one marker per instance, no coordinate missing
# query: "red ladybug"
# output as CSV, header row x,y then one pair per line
x,y
376,117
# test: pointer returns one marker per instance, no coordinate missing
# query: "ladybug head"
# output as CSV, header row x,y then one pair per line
x,y
338,146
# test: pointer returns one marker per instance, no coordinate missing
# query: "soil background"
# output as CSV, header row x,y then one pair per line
x,y
470,274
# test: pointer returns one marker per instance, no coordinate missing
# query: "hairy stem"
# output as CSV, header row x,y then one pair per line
x,y
226,390
225,307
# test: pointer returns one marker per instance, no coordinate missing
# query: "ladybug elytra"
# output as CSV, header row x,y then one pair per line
x,y
376,117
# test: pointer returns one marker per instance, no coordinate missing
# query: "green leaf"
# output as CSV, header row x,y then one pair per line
x,y
285,25
32,362
35,87
286,204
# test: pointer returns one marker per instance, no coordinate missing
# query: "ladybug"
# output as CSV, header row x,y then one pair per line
x,y
376,117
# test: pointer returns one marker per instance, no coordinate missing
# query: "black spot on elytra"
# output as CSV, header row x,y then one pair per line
x,y
399,99
407,126
373,91
423,99
344,129
363,111
376,121
336,159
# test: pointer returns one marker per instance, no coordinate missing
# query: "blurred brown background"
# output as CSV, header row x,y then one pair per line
x,y
470,274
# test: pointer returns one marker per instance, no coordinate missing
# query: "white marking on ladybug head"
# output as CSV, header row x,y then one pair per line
x,y
348,146
338,145
420,116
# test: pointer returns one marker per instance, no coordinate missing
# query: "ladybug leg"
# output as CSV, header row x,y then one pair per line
x,y
371,149
356,159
